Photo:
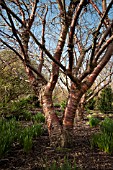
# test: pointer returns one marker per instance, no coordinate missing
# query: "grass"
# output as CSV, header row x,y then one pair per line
x,y
11,131
104,139
93,121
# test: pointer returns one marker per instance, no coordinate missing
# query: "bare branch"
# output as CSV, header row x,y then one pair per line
x,y
71,34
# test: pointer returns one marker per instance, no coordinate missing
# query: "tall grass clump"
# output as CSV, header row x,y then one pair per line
x,y
104,139
38,118
11,131
26,136
8,134
93,121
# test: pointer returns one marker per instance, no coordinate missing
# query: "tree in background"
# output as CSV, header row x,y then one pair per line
x,y
106,100
74,38
90,99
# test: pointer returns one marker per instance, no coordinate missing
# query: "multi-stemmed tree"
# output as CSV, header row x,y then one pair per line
x,y
72,37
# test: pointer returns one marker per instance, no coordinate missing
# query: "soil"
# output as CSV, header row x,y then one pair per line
x,y
41,155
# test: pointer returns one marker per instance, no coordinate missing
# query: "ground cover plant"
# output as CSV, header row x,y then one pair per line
x,y
104,138
8,134
12,131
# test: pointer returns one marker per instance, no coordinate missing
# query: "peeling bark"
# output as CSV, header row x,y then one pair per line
x,y
53,123
80,110
69,115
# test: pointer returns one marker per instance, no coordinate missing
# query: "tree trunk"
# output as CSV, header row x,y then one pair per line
x,y
80,109
69,115
60,135
52,120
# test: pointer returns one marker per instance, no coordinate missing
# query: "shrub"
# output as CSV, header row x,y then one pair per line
x,y
26,115
19,109
32,99
105,100
91,104
104,139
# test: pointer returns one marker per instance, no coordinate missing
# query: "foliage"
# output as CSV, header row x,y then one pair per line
x,y
93,121
63,104
11,131
91,104
13,82
26,136
8,134
104,139
39,117
105,100
107,126
19,109
63,58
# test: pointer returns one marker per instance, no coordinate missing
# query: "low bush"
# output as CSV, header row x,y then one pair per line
x,y
107,126
19,109
91,104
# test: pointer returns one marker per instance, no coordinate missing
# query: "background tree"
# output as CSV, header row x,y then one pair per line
x,y
106,100
90,99
75,35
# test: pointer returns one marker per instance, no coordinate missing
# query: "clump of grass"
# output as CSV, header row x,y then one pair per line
x,y
39,118
8,134
93,121
11,131
104,139
26,136
107,126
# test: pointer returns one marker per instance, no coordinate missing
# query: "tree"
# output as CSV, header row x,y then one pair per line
x,y
75,35
105,100
90,98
